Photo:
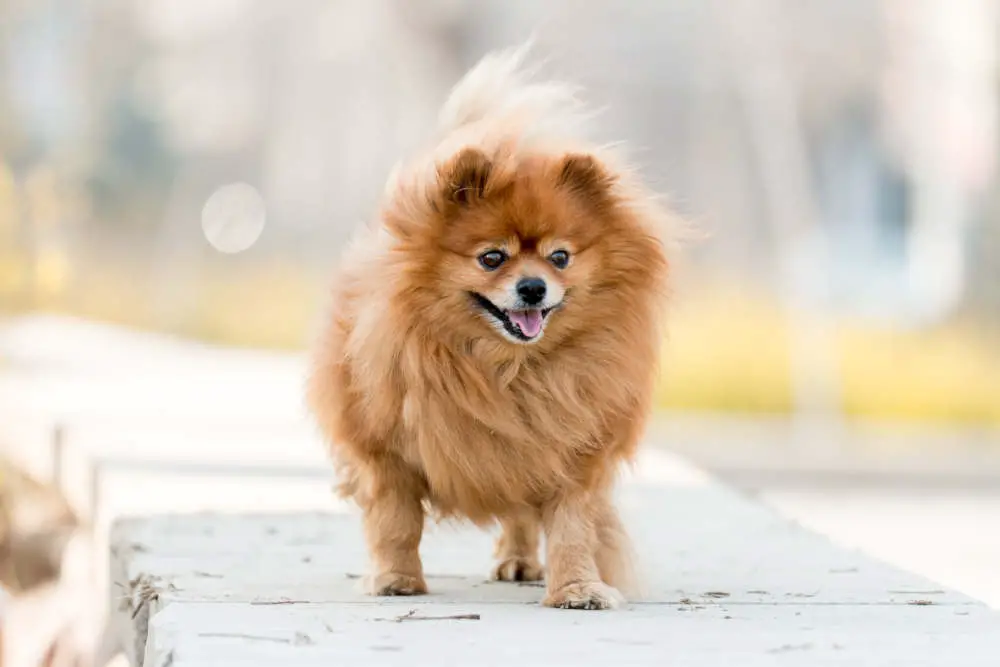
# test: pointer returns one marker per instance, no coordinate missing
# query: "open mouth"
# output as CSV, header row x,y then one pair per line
x,y
522,324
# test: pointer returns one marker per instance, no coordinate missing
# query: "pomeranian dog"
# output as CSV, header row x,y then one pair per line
x,y
492,347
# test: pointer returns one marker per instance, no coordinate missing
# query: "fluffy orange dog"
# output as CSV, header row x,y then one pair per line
x,y
493,343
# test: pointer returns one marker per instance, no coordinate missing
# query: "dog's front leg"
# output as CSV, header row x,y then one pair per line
x,y
572,542
394,524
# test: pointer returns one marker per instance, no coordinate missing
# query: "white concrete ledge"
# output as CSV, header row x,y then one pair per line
x,y
729,583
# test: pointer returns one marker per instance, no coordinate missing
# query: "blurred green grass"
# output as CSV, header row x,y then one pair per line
x,y
726,351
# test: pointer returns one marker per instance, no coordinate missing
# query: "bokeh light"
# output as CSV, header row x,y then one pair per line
x,y
233,218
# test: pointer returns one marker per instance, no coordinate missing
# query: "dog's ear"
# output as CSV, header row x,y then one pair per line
x,y
585,176
466,176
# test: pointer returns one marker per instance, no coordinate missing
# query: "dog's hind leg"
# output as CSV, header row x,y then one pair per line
x,y
517,548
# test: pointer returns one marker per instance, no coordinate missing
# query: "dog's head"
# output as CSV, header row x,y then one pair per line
x,y
522,248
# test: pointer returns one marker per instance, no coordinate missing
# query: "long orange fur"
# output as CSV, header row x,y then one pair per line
x,y
429,410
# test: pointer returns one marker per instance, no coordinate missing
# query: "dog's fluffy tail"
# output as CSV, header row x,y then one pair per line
x,y
502,103
500,90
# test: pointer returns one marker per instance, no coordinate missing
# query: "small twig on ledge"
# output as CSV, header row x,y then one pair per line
x,y
279,602
237,635
412,616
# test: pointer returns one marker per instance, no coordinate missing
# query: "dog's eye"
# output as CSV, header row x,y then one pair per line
x,y
492,259
559,259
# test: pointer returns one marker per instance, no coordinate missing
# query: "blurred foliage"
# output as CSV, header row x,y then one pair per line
x,y
949,372
732,353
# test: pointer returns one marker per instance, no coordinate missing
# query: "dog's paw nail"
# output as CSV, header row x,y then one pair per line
x,y
518,569
390,583
587,595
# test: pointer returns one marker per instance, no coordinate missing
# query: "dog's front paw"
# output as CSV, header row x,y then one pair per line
x,y
585,595
518,569
391,583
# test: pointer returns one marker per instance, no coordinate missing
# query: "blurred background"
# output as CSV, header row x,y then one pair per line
x,y
176,174
840,156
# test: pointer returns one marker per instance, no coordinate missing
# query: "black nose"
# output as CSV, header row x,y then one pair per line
x,y
531,290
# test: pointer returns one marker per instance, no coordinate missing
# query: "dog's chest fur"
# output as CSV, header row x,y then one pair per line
x,y
487,438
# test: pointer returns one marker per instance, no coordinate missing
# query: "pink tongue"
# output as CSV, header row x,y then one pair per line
x,y
528,321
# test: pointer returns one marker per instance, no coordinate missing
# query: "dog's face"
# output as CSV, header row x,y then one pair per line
x,y
521,287
530,251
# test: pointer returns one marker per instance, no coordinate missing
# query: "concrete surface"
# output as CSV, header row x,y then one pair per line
x,y
175,426
727,582
921,497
